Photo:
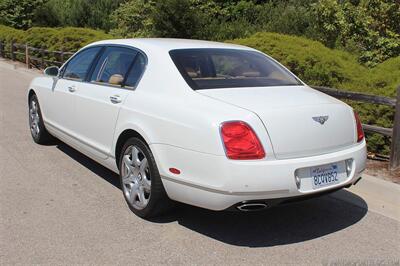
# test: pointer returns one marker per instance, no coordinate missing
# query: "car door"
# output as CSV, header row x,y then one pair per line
x,y
61,104
99,100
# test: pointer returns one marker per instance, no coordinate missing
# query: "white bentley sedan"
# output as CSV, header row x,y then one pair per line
x,y
214,125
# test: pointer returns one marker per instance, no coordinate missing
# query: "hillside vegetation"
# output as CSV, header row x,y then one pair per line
x,y
55,39
369,29
313,62
317,64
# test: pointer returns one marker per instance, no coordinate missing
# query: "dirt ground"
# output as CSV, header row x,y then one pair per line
x,y
380,169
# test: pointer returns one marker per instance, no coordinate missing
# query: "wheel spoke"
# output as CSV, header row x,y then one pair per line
x,y
142,198
127,179
127,163
143,166
133,193
146,184
135,156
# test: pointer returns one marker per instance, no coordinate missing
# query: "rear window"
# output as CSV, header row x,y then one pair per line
x,y
230,68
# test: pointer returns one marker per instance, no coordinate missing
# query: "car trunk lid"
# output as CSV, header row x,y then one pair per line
x,y
294,117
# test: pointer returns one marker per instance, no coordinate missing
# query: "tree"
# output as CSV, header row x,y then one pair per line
x,y
18,14
133,19
368,27
78,13
177,19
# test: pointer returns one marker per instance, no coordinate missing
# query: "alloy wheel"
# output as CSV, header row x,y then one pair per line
x,y
34,118
136,179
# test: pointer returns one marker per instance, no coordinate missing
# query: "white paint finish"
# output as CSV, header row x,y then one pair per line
x,y
287,115
224,177
182,128
96,116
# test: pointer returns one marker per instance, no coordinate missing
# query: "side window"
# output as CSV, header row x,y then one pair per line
x,y
113,66
79,65
136,71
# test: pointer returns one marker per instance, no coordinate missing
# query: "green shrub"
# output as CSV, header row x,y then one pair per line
x,y
54,39
310,60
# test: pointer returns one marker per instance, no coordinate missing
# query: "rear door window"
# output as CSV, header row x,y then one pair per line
x,y
136,71
113,66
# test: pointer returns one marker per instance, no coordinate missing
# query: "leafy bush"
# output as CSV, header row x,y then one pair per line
x,y
54,39
310,60
67,39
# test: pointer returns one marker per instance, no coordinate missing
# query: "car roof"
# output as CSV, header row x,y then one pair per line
x,y
168,44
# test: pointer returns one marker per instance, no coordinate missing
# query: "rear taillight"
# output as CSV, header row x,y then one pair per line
x,y
240,141
360,132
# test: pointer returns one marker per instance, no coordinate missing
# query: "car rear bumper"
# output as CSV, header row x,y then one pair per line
x,y
217,183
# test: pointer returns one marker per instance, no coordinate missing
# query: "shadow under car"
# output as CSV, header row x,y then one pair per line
x,y
284,224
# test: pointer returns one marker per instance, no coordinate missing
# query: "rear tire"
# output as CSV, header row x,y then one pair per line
x,y
38,131
140,180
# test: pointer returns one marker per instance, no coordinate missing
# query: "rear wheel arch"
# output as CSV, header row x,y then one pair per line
x,y
123,137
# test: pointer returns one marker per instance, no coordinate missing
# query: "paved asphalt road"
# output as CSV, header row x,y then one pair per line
x,y
59,207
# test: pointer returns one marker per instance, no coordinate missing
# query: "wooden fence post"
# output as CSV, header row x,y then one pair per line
x,y
13,50
2,49
27,56
42,65
395,147
62,57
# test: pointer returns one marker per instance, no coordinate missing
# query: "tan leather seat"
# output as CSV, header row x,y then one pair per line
x,y
251,74
116,79
191,72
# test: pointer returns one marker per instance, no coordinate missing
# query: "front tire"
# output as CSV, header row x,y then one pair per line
x,y
38,131
140,180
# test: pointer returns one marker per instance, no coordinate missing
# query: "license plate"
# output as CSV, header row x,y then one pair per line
x,y
327,175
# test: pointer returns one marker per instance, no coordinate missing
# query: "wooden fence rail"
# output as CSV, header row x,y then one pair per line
x,y
33,57
39,58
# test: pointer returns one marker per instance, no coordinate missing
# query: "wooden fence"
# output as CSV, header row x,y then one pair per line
x,y
33,57
41,58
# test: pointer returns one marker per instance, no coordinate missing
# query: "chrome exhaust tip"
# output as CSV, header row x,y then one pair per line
x,y
248,207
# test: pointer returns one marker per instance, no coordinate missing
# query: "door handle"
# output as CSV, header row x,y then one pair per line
x,y
72,88
115,99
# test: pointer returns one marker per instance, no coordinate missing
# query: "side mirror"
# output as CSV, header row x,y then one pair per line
x,y
52,71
